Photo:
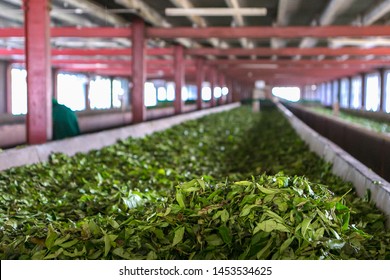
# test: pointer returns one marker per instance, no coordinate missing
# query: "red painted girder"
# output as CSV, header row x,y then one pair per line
x,y
212,51
120,68
110,52
84,32
93,52
303,62
11,32
217,32
213,84
295,69
322,76
200,75
87,32
152,63
289,51
267,32
297,75
179,76
112,71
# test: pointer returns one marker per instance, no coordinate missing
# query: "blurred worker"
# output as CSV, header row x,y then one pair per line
x,y
65,123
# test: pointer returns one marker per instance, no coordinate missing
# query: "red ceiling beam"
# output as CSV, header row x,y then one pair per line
x,y
267,32
85,32
304,62
152,63
110,52
216,32
93,52
11,32
91,32
217,52
301,73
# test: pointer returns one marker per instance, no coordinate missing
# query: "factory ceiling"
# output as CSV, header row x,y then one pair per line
x,y
280,41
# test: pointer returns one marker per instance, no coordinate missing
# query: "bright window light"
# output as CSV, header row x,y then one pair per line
x,y
288,93
217,92
150,98
184,94
225,91
322,93
71,90
344,94
356,92
372,92
170,91
206,93
192,93
328,94
19,91
387,93
335,87
118,93
100,93
161,94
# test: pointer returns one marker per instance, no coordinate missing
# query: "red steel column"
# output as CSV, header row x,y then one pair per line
x,y
350,80
363,92
302,89
213,84
179,78
37,45
9,89
236,91
382,100
86,89
199,81
222,84
230,88
111,92
139,67
54,72
338,91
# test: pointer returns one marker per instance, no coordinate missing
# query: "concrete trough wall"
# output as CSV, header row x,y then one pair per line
x,y
369,147
344,165
84,143
13,128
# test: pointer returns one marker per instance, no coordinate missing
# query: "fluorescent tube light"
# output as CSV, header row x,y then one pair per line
x,y
215,11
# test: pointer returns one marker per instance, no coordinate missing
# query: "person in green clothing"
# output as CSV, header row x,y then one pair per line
x,y
65,123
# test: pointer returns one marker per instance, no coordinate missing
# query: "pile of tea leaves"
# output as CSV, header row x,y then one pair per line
x,y
233,185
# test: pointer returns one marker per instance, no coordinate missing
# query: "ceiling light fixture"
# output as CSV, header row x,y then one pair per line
x,y
215,11
258,66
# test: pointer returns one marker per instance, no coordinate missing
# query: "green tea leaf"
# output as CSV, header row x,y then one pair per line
x,y
54,255
214,240
69,244
180,199
246,210
335,244
51,237
305,225
267,190
270,225
286,244
179,234
225,233
224,216
107,244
